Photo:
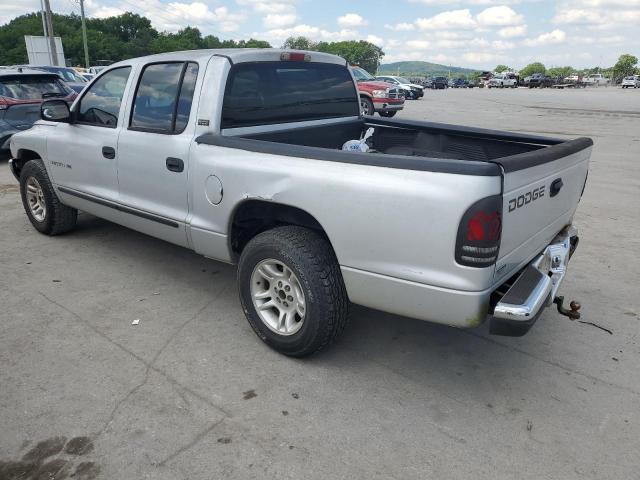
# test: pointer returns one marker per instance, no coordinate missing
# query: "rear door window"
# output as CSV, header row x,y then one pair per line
x,y
278,92
100,105
31,87
162,103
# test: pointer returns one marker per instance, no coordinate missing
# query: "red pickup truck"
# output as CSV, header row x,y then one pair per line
x,y
377,96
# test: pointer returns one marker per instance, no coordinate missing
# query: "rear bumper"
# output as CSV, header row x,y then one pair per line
x,y
534,288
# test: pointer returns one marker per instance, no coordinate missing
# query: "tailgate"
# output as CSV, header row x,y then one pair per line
x,y
542,189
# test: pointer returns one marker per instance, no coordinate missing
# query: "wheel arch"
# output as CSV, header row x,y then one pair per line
x,y
23,156
254,216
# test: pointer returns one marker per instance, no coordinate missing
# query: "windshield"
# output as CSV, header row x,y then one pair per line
x,y
67,74
27,87
361,74
403,80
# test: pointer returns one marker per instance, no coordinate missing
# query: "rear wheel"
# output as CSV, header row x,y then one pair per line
x,y
291,290
44,210
366,106
387,113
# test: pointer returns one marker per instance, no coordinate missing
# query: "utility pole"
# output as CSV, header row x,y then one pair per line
x,y
52,40
44,28
84,35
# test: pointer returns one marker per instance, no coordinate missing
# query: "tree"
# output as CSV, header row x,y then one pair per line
x,y
114,38
501,68
362,53
625,66
560,72
535,67
300,43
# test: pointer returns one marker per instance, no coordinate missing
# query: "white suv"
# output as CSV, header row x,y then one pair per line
x,y
632,81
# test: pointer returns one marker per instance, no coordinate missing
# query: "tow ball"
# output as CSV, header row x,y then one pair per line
x,y
574,306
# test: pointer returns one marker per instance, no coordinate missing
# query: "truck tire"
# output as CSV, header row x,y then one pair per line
x,y
43,207
388,114
291,290
366,106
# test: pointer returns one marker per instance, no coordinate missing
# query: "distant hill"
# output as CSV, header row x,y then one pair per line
x,y
421,69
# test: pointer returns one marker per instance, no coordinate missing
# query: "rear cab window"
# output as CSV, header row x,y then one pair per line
x,y
265,93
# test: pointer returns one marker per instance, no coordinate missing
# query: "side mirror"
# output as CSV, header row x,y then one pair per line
x,y
55,111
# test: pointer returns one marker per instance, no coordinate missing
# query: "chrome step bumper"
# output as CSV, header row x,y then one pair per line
x,y
535,288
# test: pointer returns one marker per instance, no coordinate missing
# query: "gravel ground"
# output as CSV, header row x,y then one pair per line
x,y
191,393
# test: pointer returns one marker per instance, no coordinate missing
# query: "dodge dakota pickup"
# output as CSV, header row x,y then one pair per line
x,y
262,158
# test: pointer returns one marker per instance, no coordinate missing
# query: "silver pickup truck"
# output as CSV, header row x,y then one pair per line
x,y
259,158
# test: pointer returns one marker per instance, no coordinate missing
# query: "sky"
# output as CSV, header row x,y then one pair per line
x,y
468,33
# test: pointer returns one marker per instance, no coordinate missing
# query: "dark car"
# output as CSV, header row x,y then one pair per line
x,y
440,83
21,93
538,80
72,78
460,83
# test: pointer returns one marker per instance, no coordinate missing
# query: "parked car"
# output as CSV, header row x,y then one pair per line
x,y
88,76
22,91
460,83
440,83
72,78
596,80
502,80
632,81
377,96
472,84
538,80
414,91
442,223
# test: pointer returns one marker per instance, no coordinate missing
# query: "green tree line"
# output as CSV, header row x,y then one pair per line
x,y
114,38
130,35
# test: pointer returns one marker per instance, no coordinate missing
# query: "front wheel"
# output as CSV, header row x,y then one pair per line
x,y
366,106
387,114
44,210
291,290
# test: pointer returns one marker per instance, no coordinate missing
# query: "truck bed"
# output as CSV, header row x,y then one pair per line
x,y
408,145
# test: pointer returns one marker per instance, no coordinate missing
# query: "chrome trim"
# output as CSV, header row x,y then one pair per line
x,y
552,263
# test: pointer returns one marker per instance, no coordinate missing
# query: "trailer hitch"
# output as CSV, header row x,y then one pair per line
x,y
573,314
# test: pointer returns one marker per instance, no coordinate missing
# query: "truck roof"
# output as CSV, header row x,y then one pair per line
x,y
234,55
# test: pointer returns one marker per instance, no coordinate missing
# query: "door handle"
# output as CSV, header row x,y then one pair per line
x,y
556,185
175,164
109,152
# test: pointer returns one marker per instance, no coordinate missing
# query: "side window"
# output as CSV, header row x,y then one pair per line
x,y
163,98
100,105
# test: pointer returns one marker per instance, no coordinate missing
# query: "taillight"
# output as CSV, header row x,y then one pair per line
x,y
295,57
479,233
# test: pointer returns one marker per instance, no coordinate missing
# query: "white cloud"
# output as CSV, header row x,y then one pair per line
x,y
481,57
502,45
453,19
264,6
401,27
379,41
512,32
501,16
277,35
278,20
351,20
418,44
550,38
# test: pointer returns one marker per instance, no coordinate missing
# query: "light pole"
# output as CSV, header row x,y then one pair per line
x,y
84,35
52,40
